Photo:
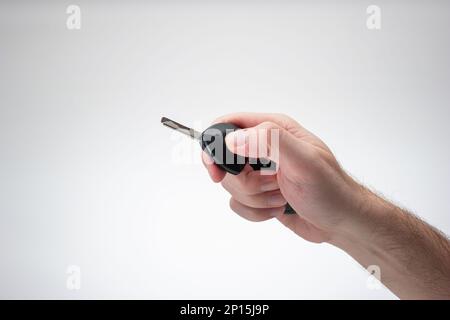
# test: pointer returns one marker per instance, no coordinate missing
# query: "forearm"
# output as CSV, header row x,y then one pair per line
x,y
413,257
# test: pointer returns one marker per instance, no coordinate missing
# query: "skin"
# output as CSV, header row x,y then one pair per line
x,y
414,257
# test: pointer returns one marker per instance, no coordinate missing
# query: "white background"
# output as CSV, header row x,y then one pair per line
x,y
89,177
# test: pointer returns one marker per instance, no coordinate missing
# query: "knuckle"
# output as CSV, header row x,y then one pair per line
x,y
268,125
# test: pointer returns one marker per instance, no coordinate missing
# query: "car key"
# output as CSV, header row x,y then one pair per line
x,y
222,156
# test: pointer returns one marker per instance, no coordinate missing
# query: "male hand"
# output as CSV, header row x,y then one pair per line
x,y
414,257
308,177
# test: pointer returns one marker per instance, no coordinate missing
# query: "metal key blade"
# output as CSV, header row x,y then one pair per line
x,y
181,128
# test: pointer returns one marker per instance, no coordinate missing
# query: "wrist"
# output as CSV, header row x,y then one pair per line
x,y
412,257
367,218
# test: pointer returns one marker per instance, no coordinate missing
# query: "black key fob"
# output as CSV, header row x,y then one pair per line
x,y
212,141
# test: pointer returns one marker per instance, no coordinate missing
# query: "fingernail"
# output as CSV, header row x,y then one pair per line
x,y
236,138
276,200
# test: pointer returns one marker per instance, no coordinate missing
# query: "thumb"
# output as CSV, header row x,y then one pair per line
x,y
266,140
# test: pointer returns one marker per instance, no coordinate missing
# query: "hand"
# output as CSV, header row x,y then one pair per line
x,y
308,178
414,257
